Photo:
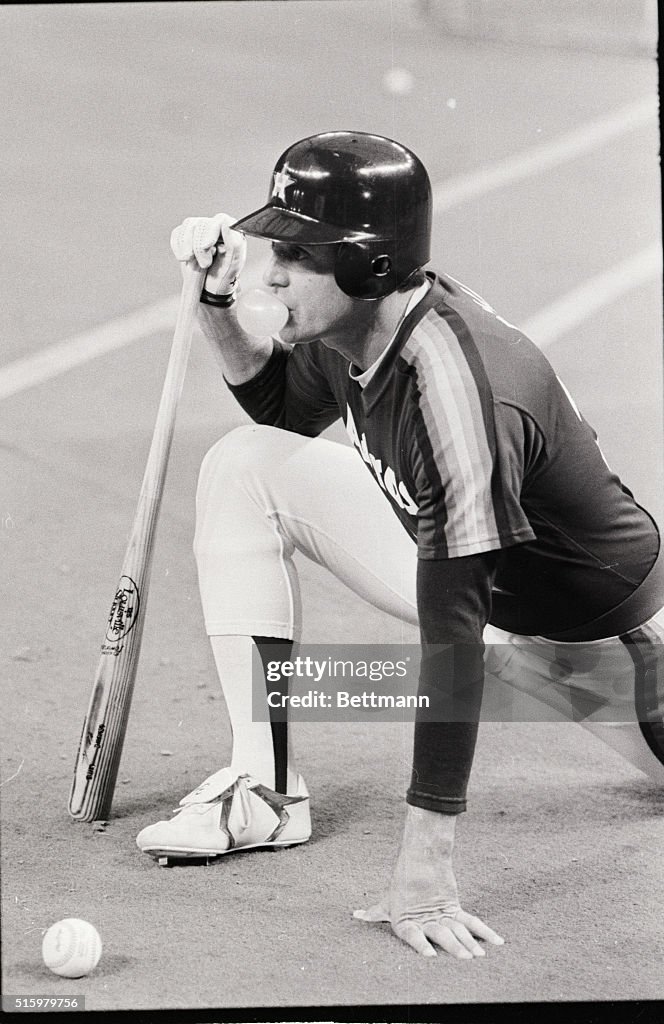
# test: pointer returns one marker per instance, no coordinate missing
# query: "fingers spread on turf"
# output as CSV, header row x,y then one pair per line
x,y
375,913
443,936
479,928
469,941
465,938
413,935
456,935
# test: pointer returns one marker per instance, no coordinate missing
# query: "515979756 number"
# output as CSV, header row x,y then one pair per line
x,y
42,1004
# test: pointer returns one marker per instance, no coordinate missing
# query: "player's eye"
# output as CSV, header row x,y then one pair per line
x,y
290,253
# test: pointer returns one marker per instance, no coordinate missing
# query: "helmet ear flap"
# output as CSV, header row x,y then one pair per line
x,y
364,270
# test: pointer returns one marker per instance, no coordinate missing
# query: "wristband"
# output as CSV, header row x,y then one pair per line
x,y
210,299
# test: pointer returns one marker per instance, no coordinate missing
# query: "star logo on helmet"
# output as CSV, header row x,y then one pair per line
x,y
281,182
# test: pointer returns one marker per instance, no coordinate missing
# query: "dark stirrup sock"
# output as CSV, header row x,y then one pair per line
x,y
266,647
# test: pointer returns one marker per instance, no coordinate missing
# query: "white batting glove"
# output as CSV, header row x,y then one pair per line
x,y
215,247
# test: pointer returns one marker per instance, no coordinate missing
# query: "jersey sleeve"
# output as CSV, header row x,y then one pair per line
x,y
469,455
454,603
291,391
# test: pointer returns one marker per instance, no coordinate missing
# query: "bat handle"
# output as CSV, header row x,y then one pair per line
x,y
192,286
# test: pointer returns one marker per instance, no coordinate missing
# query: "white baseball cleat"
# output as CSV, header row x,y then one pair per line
x,y
226,813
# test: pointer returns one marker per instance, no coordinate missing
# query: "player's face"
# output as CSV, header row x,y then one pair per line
x,y
303,278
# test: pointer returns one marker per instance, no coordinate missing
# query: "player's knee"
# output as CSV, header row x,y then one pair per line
x,y
239,451
233,495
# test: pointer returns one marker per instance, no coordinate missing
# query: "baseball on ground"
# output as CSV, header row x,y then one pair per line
x,y
71,948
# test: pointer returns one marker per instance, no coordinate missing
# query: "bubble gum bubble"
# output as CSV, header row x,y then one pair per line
x,y
261,313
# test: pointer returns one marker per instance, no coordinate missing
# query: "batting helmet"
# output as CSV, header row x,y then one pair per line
x,y
366,192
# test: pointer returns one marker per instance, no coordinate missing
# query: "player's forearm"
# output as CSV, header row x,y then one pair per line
x,y
240,356
442,760
278,396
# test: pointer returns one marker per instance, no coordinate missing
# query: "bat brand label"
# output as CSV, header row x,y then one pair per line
x,y
112,649
97,743
124,610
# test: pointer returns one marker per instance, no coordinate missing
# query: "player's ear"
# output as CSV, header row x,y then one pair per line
x,y
363,271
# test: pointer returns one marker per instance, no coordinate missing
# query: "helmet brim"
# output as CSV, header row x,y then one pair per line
x,y
282,225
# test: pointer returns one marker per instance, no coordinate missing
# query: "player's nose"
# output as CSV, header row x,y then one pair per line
x,y
275,275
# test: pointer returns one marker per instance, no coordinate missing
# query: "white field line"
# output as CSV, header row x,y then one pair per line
x,y
571,309
581,140
116,333
81,348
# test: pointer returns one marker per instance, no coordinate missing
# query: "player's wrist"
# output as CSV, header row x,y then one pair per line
x,y
423,828
222,301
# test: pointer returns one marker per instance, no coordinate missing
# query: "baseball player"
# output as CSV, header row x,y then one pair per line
x,y
474,501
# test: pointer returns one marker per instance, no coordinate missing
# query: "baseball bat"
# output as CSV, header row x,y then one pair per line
x,y
105,724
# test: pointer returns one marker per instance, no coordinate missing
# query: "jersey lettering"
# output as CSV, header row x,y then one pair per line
x,y
408,504
390,482
376,465
396,489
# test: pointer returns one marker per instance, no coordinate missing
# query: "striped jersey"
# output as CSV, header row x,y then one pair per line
x,y
477,446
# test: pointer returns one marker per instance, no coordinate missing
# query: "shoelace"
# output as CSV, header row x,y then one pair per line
x,y
240,789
